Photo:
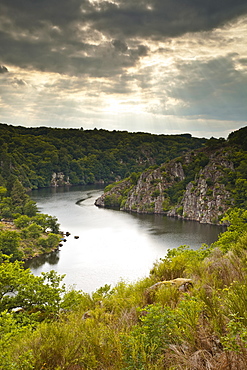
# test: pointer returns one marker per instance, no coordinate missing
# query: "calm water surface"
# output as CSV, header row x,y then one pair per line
x,y
112,245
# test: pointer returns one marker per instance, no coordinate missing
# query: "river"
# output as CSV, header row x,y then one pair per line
x,y
112,245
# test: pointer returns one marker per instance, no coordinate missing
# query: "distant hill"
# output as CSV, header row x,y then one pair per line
x,y
42,157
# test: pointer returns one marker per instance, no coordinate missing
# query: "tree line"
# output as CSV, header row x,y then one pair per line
x,y
83,156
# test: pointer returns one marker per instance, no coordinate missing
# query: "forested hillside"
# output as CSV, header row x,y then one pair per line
x,y
42,157
200,185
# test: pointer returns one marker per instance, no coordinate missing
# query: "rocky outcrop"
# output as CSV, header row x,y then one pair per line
x,y
206,198
59,179
168,190
148,194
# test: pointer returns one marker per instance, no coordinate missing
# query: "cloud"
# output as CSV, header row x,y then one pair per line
x,y
74,37
212,89
3,69
158,19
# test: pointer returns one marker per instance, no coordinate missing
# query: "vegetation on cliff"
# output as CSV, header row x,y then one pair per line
x,y
142,325
201,185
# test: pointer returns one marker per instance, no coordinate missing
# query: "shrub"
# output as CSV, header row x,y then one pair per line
x,y
113,201
155,193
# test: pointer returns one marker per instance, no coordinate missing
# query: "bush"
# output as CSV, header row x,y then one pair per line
x,y
113,201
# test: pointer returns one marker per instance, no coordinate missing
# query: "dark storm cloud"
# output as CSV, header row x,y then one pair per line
x,y
120,46
66,36
167,18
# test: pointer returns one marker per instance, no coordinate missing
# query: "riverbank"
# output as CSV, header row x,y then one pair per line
x,y
28,242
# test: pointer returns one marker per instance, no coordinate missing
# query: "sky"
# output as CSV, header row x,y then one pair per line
x,y
159,66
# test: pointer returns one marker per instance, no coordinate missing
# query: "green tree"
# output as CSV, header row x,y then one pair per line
x,y
47,222
3,191
237,227
18,194
51,241
22,221
20,288
9,244
6,207
30,208
33,230
53,224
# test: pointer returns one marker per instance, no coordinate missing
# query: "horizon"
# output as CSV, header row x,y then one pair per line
x,y
120,130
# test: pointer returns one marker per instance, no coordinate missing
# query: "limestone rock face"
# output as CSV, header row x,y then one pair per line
x,y
203,199
59,179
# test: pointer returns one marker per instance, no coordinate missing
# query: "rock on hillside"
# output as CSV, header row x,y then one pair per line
x,y
189,187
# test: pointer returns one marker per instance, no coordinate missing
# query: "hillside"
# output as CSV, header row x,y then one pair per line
x,y
42,157
201,185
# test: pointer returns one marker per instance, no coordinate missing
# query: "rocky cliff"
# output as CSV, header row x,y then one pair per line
x,y
190,187
59,179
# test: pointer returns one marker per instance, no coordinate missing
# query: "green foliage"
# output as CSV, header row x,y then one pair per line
x,y
20,288
237,221
134,178
176,192
239,137
113,201
3,191
22,221
144,346
32,231
155,193
180,211
9,244
236,338
10,330
49,242
32,155
47,222
166,204
179,262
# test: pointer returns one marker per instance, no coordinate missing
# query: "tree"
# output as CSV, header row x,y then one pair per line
x,y
33,230
30,208
237,220
22,221
3,191
9,244
6,207
47,222
20,288
51,241
18,194
53,224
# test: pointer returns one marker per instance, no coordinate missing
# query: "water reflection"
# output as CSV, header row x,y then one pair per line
x,y
50,258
